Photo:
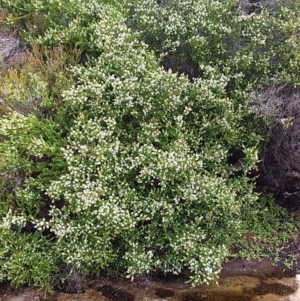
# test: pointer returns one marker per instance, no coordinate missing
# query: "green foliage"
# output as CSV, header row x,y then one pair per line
x,y
116,164
33,128
30,159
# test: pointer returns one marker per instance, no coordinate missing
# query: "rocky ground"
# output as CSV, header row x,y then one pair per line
x,y
240,280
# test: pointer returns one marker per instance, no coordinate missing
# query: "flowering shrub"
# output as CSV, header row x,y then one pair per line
x,y
128,172
58,22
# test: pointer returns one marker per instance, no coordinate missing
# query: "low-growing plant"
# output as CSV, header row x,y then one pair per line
x,y
32,258
268,230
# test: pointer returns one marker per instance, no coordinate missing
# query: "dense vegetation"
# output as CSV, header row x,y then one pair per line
x,y
130,134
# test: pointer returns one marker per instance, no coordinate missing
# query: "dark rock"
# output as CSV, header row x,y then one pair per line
x,y
115,293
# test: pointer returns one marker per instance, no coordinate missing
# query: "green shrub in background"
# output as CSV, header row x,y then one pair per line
x,y
36,80
251,46
59,22
120,166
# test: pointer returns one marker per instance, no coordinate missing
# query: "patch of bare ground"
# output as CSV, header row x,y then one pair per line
x,y
10,49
